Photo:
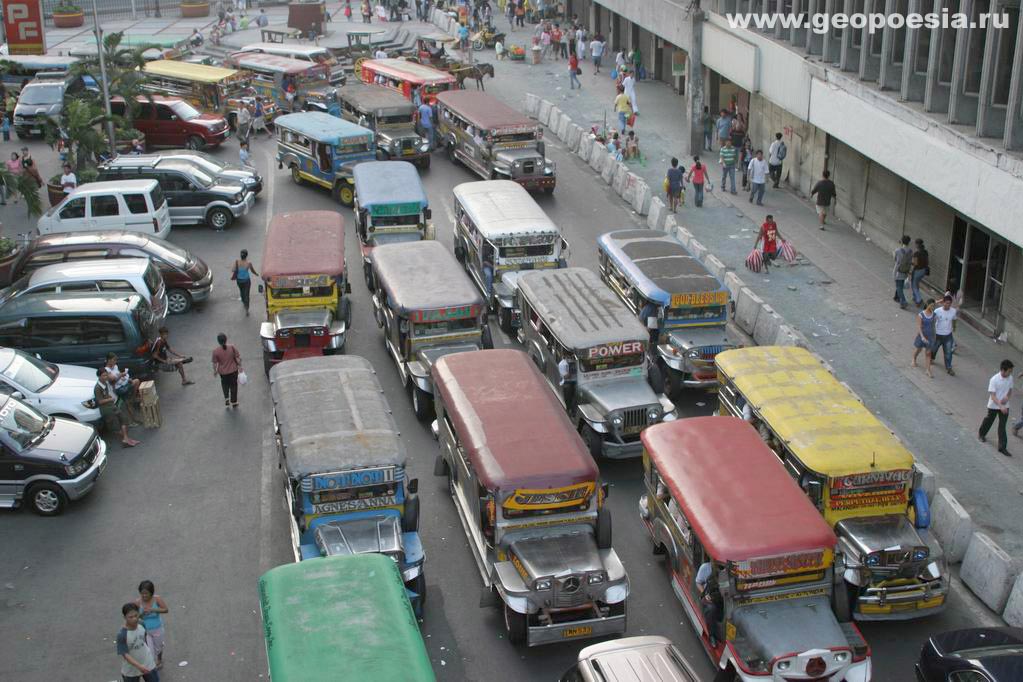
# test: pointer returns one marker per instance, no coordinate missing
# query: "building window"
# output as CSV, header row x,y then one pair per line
x,y
946,52
1003,60
975,49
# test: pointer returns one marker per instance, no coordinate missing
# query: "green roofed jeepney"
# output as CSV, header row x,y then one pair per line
x,y
341,617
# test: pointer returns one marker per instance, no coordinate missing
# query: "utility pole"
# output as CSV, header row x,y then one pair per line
x,y
103,79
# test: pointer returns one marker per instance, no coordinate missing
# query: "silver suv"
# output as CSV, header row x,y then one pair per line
x,y
42,99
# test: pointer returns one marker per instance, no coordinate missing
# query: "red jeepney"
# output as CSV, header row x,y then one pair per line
x,y
404,76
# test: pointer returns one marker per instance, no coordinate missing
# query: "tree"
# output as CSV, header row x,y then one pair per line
x,y
20,184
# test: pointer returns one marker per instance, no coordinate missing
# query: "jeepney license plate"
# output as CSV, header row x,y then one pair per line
x,y
408,152
633,429
581,631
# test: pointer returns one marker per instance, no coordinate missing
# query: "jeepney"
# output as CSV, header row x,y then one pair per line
x,y
749,558
684,306
322,149
313,54
592,350
343,617
530,499
855,471
347,490
390,207
427,308
432,49
271,73
493,140
305,282
499,232
406,78
210,88
391,117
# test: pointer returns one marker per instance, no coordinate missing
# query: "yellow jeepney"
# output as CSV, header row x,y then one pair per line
x,y
210,88
857,473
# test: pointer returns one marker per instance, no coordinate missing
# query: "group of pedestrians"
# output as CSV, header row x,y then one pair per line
x,y
140,642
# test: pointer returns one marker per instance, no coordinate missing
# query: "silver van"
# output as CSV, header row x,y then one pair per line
x,y
632,659
121,275
42,99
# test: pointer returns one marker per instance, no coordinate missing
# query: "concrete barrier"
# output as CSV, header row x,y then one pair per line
x,y
574,136
671,226
608,166
714,264
564,123
584,148
553,116
928,483
597,154
747,309
641,199
988,571
656,214
951,524
621,175
631,185
532,104
544,112
734,285
1013,613
682,234
697,249
765,332
789,336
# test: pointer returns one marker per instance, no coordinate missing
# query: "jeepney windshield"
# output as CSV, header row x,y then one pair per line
x,y
514,137
392,220
434,89
302,292
531,251
351,147
712,312
235,88
443,327
603,364
314,77
397,118
368,492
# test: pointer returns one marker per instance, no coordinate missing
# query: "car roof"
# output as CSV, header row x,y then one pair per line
x,y
639,659
79,302
502,208
84,269
422,275
389,183
304,243
89,237
322,127
115,186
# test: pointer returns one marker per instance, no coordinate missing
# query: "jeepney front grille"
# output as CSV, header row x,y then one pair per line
x,y
570,592
710,352
634,419
408,144
529,168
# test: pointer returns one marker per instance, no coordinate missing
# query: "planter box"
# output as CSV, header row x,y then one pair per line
x,y
193,10
69,20
55,193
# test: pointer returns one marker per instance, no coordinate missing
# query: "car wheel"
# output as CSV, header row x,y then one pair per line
x,y
219,218
504,320
195,143
548,190
267,364
295,177
178,301
450,148
421,403
345,194
515,624
47,499
424,162
367,273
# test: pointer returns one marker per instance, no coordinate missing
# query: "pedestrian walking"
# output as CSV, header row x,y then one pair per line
x,y
348,9
28,167
110,410
597,51
263,20
745,156
723,125
520,13
243,154
14,167
509,13
924,339
999,390
573,72
629,84
242,272
152,606
243,121
825,191
545,44
921,268
367,12
944,324
258,120
623,108
727,158
580,46
137,659
708,129
637,62
776,154
426,123
564,41
698,176
903,257
770,236
5,126
758,171
673,185
738,131
227,364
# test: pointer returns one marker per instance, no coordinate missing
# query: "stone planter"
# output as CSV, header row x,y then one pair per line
x,y
68,19
55,193
193,10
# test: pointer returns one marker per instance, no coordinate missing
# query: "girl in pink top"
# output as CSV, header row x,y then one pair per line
x,y
227,362
698,176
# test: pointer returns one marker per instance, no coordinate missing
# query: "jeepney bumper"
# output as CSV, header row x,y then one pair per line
x,y
902,602
537,182
77,488
578,629
691,377
860,671
616,450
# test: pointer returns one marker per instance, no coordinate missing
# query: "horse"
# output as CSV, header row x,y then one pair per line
x,y
477,71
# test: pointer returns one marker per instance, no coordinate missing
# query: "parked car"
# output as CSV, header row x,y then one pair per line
x,y
43,98
131,275
187,279
632,659
56,390
46,461
138,205
173,122
236,172
972,655
80,329
193,195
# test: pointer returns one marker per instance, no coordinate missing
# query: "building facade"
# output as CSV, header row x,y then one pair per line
x,y
921,129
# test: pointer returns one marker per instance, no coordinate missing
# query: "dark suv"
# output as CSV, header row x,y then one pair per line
x,y
188,279
193,194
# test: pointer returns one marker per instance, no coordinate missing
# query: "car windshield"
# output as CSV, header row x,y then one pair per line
x,y
41,94
185,111
169,253
22,424
30,373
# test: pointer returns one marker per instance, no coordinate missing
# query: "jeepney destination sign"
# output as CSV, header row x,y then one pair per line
x,y
782,564
614,350
357,504
409,208
870,489
549,498
343,480
441,314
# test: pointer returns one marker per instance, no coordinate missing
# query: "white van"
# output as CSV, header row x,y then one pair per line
x,y
134,205
129,275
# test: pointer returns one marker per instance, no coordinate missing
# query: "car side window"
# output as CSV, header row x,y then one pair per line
x,y
41,259
164,113
115,285
103,330
104,205
54,331
77,286
136,203
89,254
52,289
12,335
73,209
174,183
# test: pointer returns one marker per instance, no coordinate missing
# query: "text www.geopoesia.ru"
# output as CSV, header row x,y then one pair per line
x,y
872,22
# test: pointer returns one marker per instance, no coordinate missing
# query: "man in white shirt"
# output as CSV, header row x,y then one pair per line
x,y
68,181
999,390
944,323
380,54
567,380
629,83
758,171
597,50
775,156
244,121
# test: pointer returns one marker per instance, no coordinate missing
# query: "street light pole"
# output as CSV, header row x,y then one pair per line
x,y
103,79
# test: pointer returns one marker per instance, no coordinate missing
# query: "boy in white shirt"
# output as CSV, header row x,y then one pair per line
x,y
944,317
999,390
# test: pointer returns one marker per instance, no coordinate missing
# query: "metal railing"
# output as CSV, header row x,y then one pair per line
x,y
120,9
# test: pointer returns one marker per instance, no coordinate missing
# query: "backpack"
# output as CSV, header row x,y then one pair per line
x,y
782,151
905,262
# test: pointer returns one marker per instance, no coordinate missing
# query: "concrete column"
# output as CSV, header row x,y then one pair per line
x,y
913,83
815,41
692,130
890,73
962,108
990,119
593,19
797,36
936,93
831,50
1014,112
712,92
849,56
870,64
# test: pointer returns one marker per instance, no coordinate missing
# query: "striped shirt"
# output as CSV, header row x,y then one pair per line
x,y
729,155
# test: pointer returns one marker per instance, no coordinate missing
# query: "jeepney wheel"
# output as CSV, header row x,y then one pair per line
x,y
515,624
725,675
504,320
424,163
344,311
267,364
410,520
367,273
604,528
594,441
450,149
46,499
195,143
842,602
548,190
345,194
219,218
358,65
421,403
419,587
295,177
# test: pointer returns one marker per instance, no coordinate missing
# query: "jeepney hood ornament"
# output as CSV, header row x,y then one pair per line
x,y
700,337
558,555
618,393
778,628
379,534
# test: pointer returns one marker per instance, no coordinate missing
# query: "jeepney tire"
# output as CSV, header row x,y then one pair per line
x,y
726,674
178,301
478,45
487,338
195,143
295,177
659,548
344,311
424,163
440,466
419,587
842,602
46,499
548,190
410,520
594,442
345,194
450,149
421,403
515,624
504,321
267,364
604,528
219,218
367,274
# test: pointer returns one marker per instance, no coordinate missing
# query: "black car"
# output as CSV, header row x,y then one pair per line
x,y
194,195
973,655
46,461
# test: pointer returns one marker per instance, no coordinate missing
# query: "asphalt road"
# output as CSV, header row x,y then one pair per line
x,y
198,508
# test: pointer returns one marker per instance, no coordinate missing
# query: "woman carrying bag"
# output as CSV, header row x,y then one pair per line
x,y
227,364
242,272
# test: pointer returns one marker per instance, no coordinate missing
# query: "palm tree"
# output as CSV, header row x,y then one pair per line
x,y
125,76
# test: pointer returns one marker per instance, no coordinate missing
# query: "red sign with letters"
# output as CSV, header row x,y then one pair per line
x,y
23,25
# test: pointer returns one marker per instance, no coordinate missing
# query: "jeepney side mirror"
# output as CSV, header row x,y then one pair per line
x,y
605,489
813,489
413,486
348,287
280,165
260,288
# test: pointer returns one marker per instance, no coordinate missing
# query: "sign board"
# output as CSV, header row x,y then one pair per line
x,y
699,298
678,63
23,25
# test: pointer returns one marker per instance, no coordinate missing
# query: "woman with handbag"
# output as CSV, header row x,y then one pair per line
x,y
227,364
242,272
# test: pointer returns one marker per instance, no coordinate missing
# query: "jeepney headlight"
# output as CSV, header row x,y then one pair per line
x,y
693,353
921,554
424,146
319,331
595,578
873,560
616,420
841,656
783,666
653,414
757,665
283,333
549,168
542,584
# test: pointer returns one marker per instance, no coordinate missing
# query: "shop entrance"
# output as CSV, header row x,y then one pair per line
x,y
977,269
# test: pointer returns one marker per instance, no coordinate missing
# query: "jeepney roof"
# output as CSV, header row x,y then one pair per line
x,y
502,208
304,243
511,425
195,72
416,73
347,613
437,38
333,416
322,127
484,111
658,265
274,62
272,48
422,275
389,183
578,309
377,99
734,491
821,421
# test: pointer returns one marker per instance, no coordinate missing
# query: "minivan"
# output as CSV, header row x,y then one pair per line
x,y
81,328
173,122
136,205
124,275
188,279
43,99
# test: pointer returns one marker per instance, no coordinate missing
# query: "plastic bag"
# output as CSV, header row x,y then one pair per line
x,y
755,261
788,252
243,378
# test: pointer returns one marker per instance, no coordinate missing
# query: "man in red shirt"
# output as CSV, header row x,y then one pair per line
x,y
770,235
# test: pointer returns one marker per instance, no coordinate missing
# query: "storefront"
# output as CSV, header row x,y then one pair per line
x,y
977,267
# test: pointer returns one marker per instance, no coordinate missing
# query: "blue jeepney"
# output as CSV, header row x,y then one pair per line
x,y
347,490
323,149
683,305
390,207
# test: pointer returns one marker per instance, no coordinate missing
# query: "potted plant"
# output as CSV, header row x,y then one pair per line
x,y
68,15
193,9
